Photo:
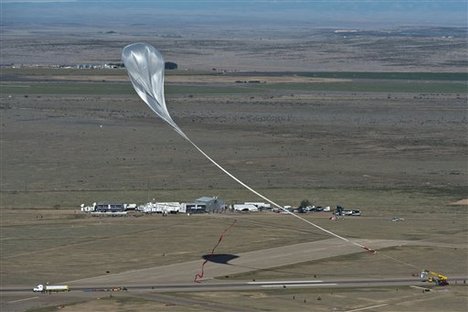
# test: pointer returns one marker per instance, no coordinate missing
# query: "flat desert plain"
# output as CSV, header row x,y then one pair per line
x,y
391,144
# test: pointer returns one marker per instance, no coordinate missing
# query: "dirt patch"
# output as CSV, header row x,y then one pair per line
x,y
248,79
461,202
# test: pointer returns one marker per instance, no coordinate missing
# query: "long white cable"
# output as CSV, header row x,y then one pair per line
x,y
145,66
267,199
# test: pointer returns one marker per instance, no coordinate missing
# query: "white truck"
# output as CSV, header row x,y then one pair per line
x,y
50,288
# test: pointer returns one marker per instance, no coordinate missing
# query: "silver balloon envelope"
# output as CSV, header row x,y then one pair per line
x,y
145,67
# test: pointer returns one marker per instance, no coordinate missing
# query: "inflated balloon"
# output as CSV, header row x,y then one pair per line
x,y
145,67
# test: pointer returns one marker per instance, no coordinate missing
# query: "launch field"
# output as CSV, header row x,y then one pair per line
x,y
82,135
369,119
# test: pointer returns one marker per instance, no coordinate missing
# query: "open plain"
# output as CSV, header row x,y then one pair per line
x,y
391,143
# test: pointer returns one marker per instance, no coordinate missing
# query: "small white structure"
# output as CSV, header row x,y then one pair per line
x,y
107,207
195,208
162,207
259,205
130,206
245,207
88,208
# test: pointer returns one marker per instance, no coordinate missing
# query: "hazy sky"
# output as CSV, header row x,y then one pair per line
x,y
318,13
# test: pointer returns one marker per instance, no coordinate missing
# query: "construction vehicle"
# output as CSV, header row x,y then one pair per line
x,y
433,277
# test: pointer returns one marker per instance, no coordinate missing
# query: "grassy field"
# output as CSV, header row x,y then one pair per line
x,y
96,88
377,202
390,75
388,147
354,82
381,299
30,235
373,120
377,86
438,76
84,246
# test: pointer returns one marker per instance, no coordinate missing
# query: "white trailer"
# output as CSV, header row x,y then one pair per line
x,y
162,207
50,288
245,207
88,208
169,207
259,205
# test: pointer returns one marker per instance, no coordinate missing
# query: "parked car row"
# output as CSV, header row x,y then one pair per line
x,y
312,209
340,211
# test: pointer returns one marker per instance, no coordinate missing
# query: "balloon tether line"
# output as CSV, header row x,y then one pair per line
x,y
267,199
200,275
373,251
145,67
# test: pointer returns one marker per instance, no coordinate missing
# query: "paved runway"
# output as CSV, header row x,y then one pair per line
x,y
179,277
22,299
245,262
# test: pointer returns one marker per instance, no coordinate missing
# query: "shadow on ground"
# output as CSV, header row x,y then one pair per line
x,y
219,258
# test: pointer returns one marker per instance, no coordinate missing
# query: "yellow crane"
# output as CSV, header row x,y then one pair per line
x,y
434,277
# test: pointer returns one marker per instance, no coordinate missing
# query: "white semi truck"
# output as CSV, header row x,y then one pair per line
x,y
50,288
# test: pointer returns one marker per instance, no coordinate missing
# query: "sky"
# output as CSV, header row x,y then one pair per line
x,y
316,13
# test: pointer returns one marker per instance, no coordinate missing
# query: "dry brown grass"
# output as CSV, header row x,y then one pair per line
x,y
388,155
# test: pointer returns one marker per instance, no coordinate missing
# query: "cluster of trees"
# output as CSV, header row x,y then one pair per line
x,y
304,203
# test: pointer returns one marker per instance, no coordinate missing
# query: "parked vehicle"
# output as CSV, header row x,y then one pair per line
x,y
50,288
340,211
434,277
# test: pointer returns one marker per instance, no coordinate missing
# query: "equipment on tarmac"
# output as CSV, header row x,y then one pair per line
x,y
433,277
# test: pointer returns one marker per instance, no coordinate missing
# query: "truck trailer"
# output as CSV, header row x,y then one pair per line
x,y
50,288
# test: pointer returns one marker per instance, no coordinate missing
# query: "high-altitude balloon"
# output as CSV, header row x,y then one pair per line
x,y
145,67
